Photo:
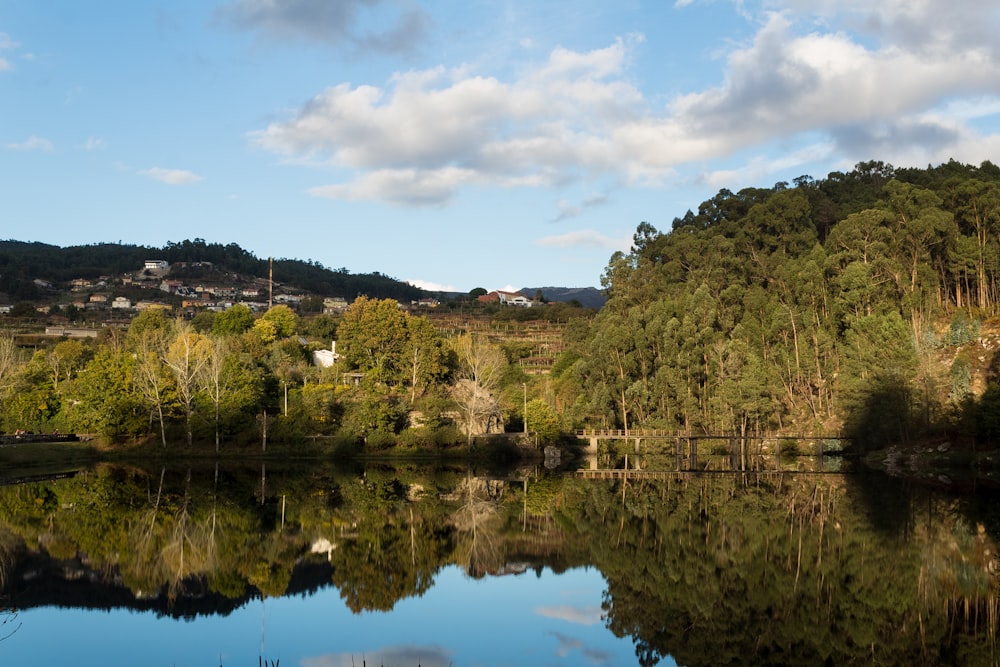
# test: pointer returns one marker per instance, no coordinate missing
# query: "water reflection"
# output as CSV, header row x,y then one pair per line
x,y
705,568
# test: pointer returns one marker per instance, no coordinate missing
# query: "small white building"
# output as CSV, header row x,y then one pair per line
x,y
156,265
121,303
326,358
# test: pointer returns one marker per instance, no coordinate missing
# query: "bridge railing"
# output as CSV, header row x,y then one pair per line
x,y
666,433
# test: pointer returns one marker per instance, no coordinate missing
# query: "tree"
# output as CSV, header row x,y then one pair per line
x,y
65,359
284,319
32,401
978,211
425,356
102,398
543,420
187,357
11,359
480,365
148,337
230,384
371,338
265,330
233,321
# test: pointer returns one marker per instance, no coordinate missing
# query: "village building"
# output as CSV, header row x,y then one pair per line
x,y
507,299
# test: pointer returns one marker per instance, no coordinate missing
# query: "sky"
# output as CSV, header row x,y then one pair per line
x,y
465,144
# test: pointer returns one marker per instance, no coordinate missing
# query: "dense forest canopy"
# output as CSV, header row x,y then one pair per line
x,y
811,306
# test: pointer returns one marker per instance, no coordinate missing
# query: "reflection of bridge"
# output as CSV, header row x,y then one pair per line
x,y
638,475
745,452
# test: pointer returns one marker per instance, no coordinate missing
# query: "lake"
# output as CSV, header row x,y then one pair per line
x,y
322,565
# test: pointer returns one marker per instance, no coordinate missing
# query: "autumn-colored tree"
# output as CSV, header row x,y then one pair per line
x,y
187,356
477,379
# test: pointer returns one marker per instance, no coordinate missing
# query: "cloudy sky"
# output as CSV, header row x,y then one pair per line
x,y
464,144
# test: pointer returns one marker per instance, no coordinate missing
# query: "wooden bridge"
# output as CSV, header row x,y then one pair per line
x,y
743,451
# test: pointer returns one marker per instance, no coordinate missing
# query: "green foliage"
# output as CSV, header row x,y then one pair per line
x,y
543,420
372,337
101,399
962,330
320,326
32,401
233,321
374,417
284,319
710,569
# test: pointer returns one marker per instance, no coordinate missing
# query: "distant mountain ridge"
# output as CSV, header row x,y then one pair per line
x,y
22,263
589,297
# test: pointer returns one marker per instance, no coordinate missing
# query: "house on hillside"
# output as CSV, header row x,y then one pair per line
x,y
507,298
336,304
155,265
170,286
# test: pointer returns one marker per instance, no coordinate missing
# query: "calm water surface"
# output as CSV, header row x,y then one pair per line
x,y
317,565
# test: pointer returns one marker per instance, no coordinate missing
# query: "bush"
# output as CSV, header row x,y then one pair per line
x,y
378,441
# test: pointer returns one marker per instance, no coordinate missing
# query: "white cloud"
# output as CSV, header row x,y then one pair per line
x,y
33,143
429,132
579,615
432,286
848,79
756,169
93,144
586,238
568,210
171,176
8,44
401,186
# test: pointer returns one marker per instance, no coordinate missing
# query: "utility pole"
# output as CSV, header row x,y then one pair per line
x,y
524,385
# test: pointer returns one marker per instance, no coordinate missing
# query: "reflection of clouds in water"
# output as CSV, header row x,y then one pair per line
x,y
590,615
568,645
425,656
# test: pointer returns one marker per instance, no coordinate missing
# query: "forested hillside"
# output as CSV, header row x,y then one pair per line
x,y
21,263
806,307
864,304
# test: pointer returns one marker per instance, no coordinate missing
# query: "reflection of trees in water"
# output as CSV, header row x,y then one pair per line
x,y
713,569
960,567
172,547
478,544
10,548
719,570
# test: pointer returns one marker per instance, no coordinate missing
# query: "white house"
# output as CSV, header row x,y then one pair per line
x,y
514,299
156,265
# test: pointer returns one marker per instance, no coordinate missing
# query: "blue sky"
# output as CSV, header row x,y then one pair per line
x,y
464,144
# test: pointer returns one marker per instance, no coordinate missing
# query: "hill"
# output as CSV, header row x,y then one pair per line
x,y
22,264
588,297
